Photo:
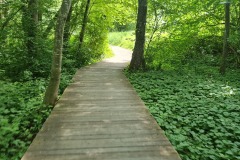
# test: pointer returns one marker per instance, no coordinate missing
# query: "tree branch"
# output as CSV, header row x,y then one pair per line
x,y
9,18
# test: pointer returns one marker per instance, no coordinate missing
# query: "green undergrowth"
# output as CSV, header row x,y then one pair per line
x,y
200,113
21,116
22,113
122,39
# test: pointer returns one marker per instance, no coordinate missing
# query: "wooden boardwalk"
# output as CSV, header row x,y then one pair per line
x,y
100,117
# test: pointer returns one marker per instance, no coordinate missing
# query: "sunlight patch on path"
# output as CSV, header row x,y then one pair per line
x,y
121,55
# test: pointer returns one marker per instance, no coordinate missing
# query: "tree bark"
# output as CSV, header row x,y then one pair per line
x,y
138,61
1,10
226,36
30,27
51,94
84,24
67,34
67,28
51,24
75,17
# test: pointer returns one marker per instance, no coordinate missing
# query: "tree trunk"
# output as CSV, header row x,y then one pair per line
x,y
30,25
50,24
226,36
40,11
51,94
1,10
67,34
84,24
138,61
75,17
238,25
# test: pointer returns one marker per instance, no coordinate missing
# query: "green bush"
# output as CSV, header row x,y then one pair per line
x,y
122,39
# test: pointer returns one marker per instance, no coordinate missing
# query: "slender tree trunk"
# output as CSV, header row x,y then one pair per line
x,y
1,10
238,23
30,27
155,28
51,24
84,24
138,61
67,34
226,36
74,21
67,28
40,11
51,94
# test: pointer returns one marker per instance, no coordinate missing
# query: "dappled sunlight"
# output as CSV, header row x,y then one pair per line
x,y
217,89
226,90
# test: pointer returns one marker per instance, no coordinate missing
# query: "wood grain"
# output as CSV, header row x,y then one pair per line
x,y
101,117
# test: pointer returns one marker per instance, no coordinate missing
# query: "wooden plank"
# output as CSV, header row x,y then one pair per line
x,y
100,117
60,136
128,155
118,126
105,150
40,144
98,108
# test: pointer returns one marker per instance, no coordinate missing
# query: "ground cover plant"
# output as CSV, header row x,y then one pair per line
x,y
21,116
199,113
22,113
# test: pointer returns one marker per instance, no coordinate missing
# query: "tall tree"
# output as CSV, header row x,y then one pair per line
x,y
51,94
67,34
84,24
138,61
51,24
226,36
30,23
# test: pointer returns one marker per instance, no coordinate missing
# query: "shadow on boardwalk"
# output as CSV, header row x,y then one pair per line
x,y
100,117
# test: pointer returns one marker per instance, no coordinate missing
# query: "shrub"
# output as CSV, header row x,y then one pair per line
x,y
122,39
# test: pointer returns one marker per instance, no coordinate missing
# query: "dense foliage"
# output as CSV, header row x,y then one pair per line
x,y
199,112
196,106
123,39
26,47
22,113
193,104
181,30
21,116
15,57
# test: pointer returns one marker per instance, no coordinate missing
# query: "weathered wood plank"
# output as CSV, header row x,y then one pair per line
x,y
100,117
159,154
99,151
40,144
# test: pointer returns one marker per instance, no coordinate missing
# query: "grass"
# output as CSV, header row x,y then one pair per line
x,y
122,39
199,113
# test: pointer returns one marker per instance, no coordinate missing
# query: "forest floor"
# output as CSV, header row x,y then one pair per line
x,y
197,108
